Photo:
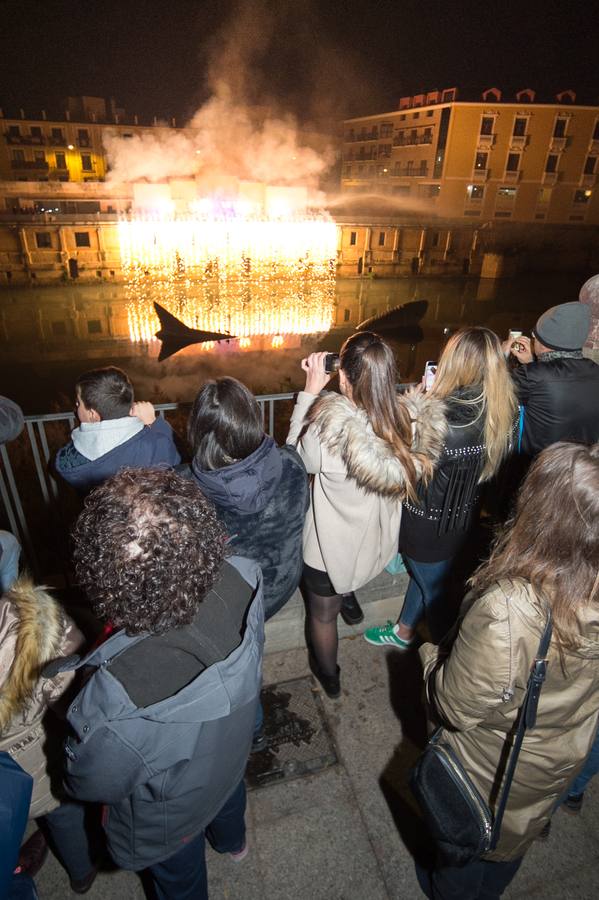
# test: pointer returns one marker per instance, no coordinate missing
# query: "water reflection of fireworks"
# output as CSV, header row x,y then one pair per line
x,y
244,276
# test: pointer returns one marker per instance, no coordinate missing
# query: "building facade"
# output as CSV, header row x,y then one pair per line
x,y
489,160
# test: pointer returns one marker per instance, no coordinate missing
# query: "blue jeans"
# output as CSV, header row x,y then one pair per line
x,y
426,596
183,876
9,560
68,834
590,769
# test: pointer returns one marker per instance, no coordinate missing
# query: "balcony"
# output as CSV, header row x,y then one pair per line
x,y
518,141
558,144
588,181
23,140
512,177
479,176
486,140
84,142
57,141
23,164
550,177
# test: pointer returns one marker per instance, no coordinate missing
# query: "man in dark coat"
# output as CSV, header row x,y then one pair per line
x,y
162,729
557,386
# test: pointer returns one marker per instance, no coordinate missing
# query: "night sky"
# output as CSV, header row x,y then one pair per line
x,y
319,60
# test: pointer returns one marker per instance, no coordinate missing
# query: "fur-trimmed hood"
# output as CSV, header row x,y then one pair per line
x,y
344,429
32,631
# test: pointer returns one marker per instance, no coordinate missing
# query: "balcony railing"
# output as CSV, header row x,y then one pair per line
x,y
28,140
39,508
29,164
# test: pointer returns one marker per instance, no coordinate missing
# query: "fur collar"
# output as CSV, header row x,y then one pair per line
x,y
40,627
344,429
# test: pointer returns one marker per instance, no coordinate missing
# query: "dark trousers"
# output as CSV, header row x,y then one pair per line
x,y
68,833
480,880
427,596
183,875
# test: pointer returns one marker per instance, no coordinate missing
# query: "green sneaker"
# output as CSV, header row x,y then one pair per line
x,y
386,636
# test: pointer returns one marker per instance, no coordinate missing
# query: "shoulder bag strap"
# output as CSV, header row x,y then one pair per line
x,y
527,718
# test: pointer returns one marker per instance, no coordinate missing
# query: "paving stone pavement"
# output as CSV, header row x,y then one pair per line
x,y
348,832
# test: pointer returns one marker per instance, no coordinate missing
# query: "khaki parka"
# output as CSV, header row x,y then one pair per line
x,y
34,630
480,686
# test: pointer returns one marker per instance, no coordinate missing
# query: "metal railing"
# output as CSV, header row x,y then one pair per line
x,y
39,508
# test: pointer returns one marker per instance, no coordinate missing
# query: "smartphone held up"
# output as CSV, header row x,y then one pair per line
x,y
430,370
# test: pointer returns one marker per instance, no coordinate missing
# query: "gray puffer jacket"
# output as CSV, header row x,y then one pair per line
x,y
165,769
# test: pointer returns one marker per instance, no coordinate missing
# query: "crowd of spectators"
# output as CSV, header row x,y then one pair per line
x,y
182,562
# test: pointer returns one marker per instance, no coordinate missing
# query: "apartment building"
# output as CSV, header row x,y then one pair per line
x,y
494,159
65,148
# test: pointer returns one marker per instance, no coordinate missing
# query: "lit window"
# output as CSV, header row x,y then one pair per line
x,y
544,195
508,193
582,196
476,191
480,161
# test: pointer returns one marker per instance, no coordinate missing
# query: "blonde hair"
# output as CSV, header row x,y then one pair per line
x,y
474,357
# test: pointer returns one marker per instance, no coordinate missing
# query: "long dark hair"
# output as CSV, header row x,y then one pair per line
x,y
225,424
369,366
552,540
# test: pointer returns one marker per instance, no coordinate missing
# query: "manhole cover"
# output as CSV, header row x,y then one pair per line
x,y
297,738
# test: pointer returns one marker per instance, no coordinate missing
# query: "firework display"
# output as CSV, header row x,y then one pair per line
x,y
226,271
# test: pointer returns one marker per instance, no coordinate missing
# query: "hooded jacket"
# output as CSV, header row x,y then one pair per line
x,y
166,767
152,445
480,687
262,501
33,631
560,395
352,527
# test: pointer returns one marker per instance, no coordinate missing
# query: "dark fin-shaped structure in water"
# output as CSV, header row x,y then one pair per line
x,y
175,335
400,323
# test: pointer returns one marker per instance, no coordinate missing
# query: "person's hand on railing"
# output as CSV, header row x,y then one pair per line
x,y
144,410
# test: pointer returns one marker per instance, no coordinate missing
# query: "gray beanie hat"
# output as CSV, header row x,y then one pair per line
x,y
564,327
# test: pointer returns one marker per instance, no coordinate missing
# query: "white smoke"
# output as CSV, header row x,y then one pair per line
x,y
230,135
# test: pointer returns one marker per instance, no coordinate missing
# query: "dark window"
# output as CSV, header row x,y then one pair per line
x,y
480,160
435,239
416,115
18,156
59,329
348,171
381,238
94,326
39,155
442,141
36,132
582,196
477,192
429,112
551,164
57,135
14,131
519,127
386,130
352,238
513,162
434,190
559,129
427,137
86,162
43,239
61,162
402,118
589,166
82,239
410,167
486,125
423,167
346,315
83,137
596,131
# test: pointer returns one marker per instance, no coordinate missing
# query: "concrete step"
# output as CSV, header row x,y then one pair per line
x,y
381,599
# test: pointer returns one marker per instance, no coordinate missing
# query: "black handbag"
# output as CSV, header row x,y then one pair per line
x,y
459,819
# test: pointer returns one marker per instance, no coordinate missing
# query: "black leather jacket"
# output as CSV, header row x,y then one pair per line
x,y
435,528
560,395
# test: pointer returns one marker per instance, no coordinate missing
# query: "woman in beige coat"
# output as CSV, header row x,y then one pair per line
x,y
547,559
34,630
367,448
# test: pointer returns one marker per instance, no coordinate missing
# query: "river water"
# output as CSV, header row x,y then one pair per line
x,y
49,335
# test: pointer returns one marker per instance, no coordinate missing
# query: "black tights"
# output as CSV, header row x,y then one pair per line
x,y
321,629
